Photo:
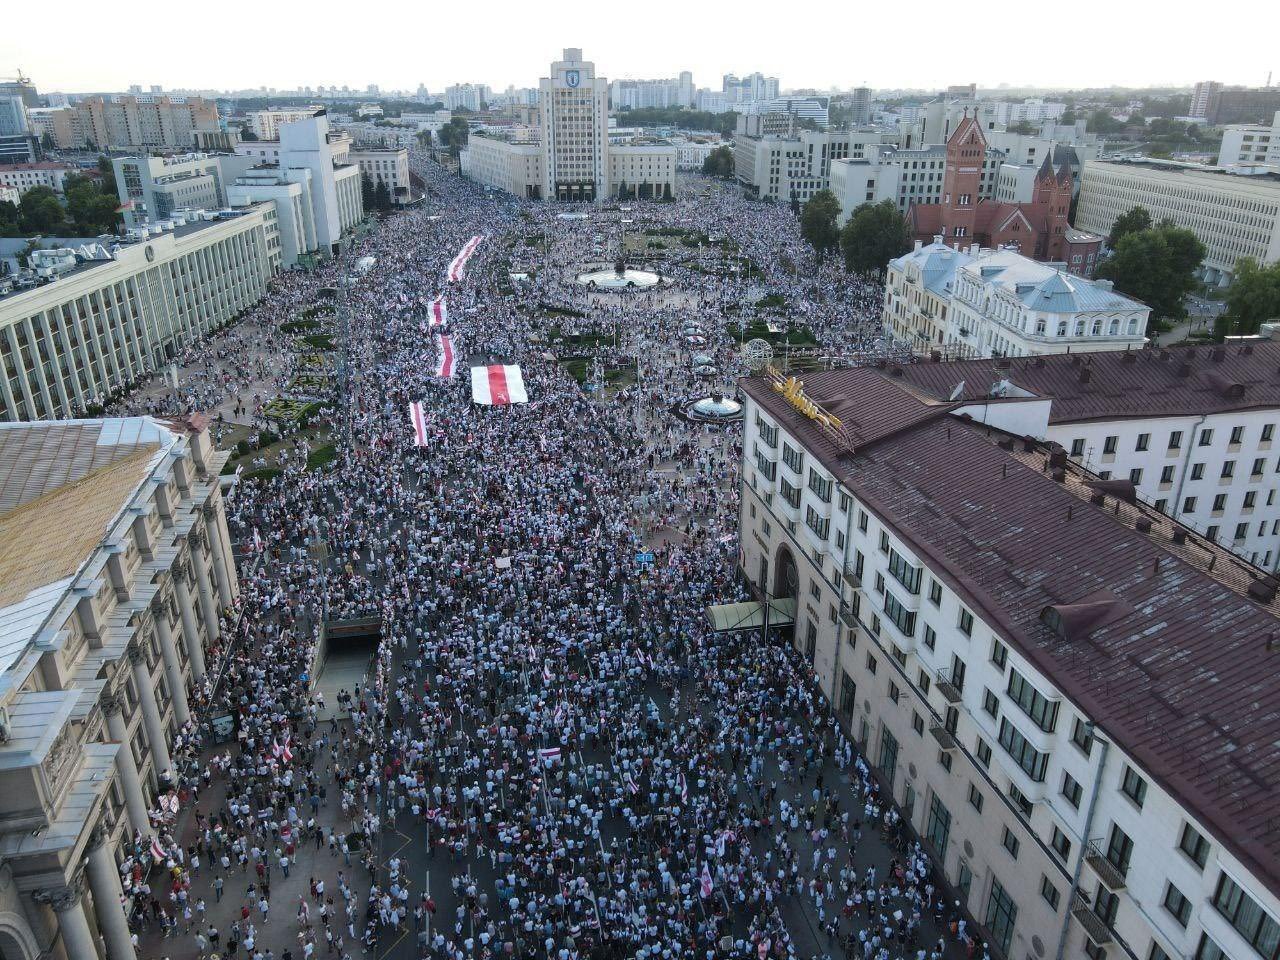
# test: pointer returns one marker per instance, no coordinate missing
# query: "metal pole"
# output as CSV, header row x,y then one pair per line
x,y
1084,846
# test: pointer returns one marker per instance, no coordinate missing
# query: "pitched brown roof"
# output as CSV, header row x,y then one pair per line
x,y
1179,381
1178,673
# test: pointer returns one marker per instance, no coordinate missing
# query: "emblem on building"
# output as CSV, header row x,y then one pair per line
x,y
573,77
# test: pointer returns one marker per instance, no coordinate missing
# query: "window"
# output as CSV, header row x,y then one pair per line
x,y
975,797
884,542
1049,892
1189,505
791,494
1228,469
1158,953
1242,530
1175,440
1002,914
1144,441
862,521
848,695
1119,849
904,572
999,654
1248,918
1060,842
871,664
1135,476
1208,950
1166,475
990,703
1072,790
899,616
1268,429
1219,503
1194,845
1020,801
1206,438
1197,471
1043,712
894,692
1077,447
820,485
938,827
1133,786
944,760
1109,445
1259,465
1010,843
983,752
966,623
1031,760
819,524
1237,434
845,502
879,583
794,459
1178,905
935,593
923,681
930,637
768,432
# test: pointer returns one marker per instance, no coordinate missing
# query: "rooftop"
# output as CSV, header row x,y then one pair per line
x,y
1046,287
1013,537
1178,381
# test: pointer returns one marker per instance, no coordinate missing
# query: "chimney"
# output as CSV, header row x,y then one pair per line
x,y
1104,284
920,243
1086,375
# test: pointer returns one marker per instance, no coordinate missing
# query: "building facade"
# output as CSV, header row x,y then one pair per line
x,y
1252,146
46,173
386,166
145,122
151,188
118,569
266,123
575,130
1233,216
513,166
951,596
69,346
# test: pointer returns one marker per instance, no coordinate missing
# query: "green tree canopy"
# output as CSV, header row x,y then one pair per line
x,y
41,211
382,196
366,191
1136,219
818,222
1157,266
719,162
874,235
90,209
1253,299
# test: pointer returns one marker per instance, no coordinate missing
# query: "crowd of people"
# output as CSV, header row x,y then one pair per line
x,y
551,755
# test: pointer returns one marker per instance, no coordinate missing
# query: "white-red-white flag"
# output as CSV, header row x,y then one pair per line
x,y
157,851
457,268
498,385
706,880
546,673
447,362
419,420
684,790
549,754
439,315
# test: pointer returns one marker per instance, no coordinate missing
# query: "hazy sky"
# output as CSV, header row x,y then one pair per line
x,y
77,45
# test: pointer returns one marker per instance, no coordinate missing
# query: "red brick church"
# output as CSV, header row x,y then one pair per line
x,y
1038,229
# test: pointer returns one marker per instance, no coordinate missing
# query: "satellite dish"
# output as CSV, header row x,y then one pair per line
x,y
957,392
757,353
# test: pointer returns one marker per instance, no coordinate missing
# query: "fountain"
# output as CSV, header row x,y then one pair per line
x,y
716,408
621,277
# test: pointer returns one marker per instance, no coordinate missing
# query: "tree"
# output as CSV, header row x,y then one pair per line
x,y
247,134
1102,123
424,138
1253,299
719,163
382,196
41,211
818,222
1137,219
874,235
106,175
366,191
90,209
1022,126
454,134
1157,266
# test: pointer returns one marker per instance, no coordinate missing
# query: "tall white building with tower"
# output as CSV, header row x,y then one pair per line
x,y
575,130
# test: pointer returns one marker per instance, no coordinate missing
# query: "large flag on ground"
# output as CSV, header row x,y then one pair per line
x,y
419,424
439,312
458,267
498,385
447,364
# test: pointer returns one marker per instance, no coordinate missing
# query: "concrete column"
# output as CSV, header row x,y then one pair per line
x,y
221,571
134,800
73,925
172,666
104,882
190,632
150,713
208,609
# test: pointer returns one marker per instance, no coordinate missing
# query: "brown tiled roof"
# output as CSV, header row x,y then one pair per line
x,y
1179,381
1178,674
40,457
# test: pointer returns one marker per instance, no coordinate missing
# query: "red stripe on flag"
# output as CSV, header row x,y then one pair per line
x,y
498,384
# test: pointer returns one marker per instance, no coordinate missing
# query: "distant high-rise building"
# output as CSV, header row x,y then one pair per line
x,y
466,96
1200,96
22,87
965,91
575,130
755,86
860,106
129,122
687,89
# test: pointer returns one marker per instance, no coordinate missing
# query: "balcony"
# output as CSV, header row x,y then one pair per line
x,y
1094,927
1110,875
947,687
946,739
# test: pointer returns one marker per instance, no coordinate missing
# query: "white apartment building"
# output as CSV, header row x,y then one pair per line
x,y
46,173
575,130
266,123
1004,304
385,166
917,299
289,191
692,154
336,201
1022,655
905,176
1233,216
62,125
151,188
70,345
799,165
466,96
433,121
1192,428
1251,145
117,569
1032,110
515,167
646,171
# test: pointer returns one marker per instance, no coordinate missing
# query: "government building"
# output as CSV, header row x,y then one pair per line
x,y
571,159
115,572
1065,691
111,318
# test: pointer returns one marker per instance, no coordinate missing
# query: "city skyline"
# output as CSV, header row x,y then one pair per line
x,y
820,59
